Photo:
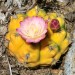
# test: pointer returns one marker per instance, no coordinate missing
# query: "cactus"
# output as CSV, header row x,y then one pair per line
x,y
37,38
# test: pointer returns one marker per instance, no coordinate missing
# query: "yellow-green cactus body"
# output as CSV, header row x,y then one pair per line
x,y
28,53
46,17
50,32
52,15
61,21
58,37
45,42
41,13
56,58
48,51
65,43
16,21
22,50
32,12
36,11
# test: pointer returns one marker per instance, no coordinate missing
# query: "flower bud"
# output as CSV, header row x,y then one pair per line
x,y
54,25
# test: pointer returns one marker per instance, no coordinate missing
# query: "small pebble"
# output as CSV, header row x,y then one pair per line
x,y
3,30
63,2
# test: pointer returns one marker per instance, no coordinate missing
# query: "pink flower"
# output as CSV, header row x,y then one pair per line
x,y
33,29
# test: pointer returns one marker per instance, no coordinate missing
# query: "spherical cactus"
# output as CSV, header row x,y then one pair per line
x,y
37,39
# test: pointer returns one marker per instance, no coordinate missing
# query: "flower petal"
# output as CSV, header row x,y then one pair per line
x,y
33,29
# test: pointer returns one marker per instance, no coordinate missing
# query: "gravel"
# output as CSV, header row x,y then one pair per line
x,y
69,64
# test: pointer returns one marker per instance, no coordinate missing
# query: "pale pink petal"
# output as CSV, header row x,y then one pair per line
x,y
33,29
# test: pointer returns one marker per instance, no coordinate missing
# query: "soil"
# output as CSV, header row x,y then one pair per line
x,y
8,64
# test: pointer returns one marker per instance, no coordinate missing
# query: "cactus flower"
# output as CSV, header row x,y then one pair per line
x,y
54,25
33,29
